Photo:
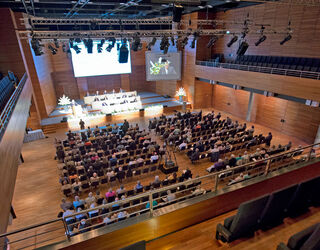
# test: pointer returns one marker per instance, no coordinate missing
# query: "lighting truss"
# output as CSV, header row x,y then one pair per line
x,y
66,35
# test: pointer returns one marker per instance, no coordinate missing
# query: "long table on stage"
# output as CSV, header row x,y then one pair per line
x,y
114,102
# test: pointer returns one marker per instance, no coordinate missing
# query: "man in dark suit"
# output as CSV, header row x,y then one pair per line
x,y
120,174
268,139
167,69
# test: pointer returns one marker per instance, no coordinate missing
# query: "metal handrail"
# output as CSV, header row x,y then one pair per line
x,y
6,113
30,227
261,69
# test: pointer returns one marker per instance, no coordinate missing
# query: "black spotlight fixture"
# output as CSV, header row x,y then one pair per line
x,y
172,40
36,46
76,49
136,44
71,40
212,41
261,39
262,36
89,45
123,52
164,44
52,49
77,40
195,37
232,41
111,42
286,39
64,48
242,48
56,43
100,45
177,13
152,43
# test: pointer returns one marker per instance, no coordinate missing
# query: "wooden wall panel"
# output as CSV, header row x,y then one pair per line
x,y
138,79
203,95
101,83
10,148
305,22
63,76
286,85
166,87
269,111
44,68
33,119
231,101
10,56
300,120
82,84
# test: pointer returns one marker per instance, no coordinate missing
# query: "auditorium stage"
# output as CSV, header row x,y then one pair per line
x,y
148,99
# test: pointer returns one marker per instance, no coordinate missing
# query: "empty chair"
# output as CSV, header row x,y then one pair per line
x,y
307,239
276,207
244,223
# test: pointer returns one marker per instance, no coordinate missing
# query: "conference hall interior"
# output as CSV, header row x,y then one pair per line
x,y
159,124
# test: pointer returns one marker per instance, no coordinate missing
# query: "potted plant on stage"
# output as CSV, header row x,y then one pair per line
x,y
181,93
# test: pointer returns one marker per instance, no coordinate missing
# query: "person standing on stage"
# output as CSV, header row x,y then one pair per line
x,y
81,123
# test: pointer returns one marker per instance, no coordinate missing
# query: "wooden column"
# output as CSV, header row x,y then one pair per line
x,y
82,83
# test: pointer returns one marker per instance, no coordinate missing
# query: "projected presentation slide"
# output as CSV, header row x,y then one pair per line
x,y
97,64
161,66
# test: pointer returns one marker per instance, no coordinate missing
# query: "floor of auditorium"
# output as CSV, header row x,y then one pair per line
x,y
37,193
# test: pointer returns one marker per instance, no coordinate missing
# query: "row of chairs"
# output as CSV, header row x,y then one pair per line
x,y
6,90
269,210
294,63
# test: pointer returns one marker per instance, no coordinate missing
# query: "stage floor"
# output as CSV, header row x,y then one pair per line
x,y
147,99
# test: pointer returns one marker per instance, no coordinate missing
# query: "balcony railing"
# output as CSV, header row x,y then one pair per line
x,y
185,193
8,109
266,70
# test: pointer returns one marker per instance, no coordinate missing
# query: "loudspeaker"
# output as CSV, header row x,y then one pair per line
x,y
242,48
177,13
123,54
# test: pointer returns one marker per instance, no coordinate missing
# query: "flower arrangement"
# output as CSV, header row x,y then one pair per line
x,y
64,100
181,92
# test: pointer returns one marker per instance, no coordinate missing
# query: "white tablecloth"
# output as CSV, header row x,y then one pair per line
x,y
34,135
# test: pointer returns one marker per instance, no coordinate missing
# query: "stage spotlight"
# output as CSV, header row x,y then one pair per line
x,y
77,40
152,43
212,41
36,46
100,45
164,44
172,40
111,42
71,42
286,39
177,13
56,43
136,45
232,41
89,45
261,39
53,50
242,48
184,42
64,48
77,49
195,37
123,52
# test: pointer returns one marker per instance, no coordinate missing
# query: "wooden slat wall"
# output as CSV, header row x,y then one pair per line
x,y
300,120
190,215
10,148
166,87
138,79
10,57
33,119
101,83
286,85
305,22
203,95
231,101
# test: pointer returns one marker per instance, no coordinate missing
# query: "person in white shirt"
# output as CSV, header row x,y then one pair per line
x,y
154,157
90,199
